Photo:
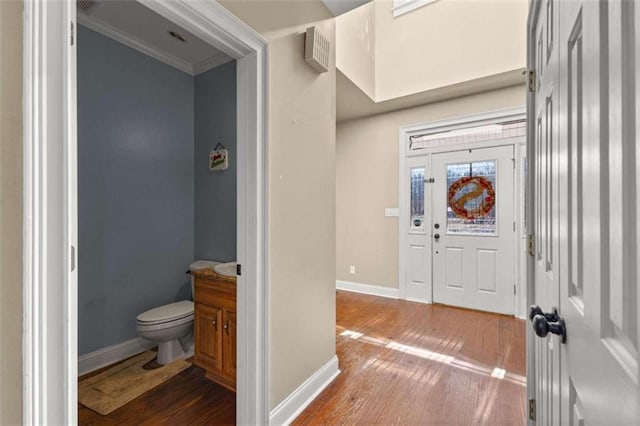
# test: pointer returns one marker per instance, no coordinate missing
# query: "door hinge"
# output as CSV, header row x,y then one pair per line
x,y
72,34
514,289
238,269
533,81
532,409
531,245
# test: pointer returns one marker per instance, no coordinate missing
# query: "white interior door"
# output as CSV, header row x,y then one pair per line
x,y
473,229
586,205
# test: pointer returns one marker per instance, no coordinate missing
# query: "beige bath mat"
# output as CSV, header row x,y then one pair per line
x,y
114,387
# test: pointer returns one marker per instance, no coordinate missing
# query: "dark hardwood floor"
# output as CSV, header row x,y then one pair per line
x,y
406,363
402,363
186,399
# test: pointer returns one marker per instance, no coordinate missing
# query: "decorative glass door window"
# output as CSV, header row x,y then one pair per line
x,y
471,198
417,199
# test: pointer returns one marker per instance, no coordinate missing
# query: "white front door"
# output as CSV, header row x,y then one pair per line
x,y
473,229
584,134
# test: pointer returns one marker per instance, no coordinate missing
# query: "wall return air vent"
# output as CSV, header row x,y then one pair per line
x,y
317,50
86,6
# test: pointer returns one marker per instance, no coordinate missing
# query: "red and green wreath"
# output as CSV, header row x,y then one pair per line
x,y
482,185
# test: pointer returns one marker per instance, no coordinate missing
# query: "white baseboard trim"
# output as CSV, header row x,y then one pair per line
x,y
418,300
287,411
374,290
112,354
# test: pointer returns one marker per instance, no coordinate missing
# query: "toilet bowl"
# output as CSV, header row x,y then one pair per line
x,y
171,326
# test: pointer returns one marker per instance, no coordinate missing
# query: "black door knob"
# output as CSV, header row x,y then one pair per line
x,y
536,310
436,236
542,327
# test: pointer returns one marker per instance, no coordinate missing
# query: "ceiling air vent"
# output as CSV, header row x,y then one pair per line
x,y
86,6
317,50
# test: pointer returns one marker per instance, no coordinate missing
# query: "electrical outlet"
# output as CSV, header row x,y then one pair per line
x,y
352,269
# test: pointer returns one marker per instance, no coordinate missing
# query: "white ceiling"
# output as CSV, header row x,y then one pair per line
x,y
131,23
338,7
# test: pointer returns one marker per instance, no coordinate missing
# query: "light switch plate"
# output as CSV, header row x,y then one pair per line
x,y
392,212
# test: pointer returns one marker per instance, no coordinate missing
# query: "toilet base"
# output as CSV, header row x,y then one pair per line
x,y
175,349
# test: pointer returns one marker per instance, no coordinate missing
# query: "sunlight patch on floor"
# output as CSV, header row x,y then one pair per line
x,y
496,372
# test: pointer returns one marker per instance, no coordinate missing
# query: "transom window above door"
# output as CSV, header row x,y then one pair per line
x,y
478,133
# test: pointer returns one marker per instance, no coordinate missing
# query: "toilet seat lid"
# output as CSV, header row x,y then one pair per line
x,y
170,312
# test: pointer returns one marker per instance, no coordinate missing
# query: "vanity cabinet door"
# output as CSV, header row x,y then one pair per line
x,y
208,336
229,344
215,329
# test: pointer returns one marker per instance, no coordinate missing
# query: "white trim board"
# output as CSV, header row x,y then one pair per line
x,y
210,63
112,354
145,48
530,346
373,290
400,7
291,407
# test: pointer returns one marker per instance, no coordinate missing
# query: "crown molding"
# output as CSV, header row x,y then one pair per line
x,y
210,63
135,43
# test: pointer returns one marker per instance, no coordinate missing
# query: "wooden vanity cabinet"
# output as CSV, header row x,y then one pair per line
x,y
229,346
215,329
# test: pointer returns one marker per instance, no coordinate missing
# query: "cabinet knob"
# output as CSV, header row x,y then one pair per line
x,y
215,324
226,326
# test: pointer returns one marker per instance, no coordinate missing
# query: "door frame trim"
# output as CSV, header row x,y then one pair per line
x,y
405,157
534,6
50,204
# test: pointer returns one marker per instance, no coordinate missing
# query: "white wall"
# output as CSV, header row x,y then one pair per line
x,y
301,168
447,42
10,212
355,47
367,182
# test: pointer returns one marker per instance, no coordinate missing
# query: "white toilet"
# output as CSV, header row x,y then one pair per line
x,y
171,326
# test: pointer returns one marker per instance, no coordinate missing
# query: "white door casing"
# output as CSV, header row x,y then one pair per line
x,y
474,259
588,73
50,208
545,195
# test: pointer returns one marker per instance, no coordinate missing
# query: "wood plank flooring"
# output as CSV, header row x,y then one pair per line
x,y
186,399
406,363
402,363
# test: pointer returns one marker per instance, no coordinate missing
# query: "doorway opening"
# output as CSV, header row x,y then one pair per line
x,y
462,223
51,238
157,195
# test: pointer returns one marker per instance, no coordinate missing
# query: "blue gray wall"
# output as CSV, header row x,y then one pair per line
x,y
136,187
215,199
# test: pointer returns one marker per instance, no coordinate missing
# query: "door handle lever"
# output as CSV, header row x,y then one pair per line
x,y
542,327
536,310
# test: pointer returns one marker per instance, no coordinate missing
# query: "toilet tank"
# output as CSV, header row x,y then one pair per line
x,y
200,264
